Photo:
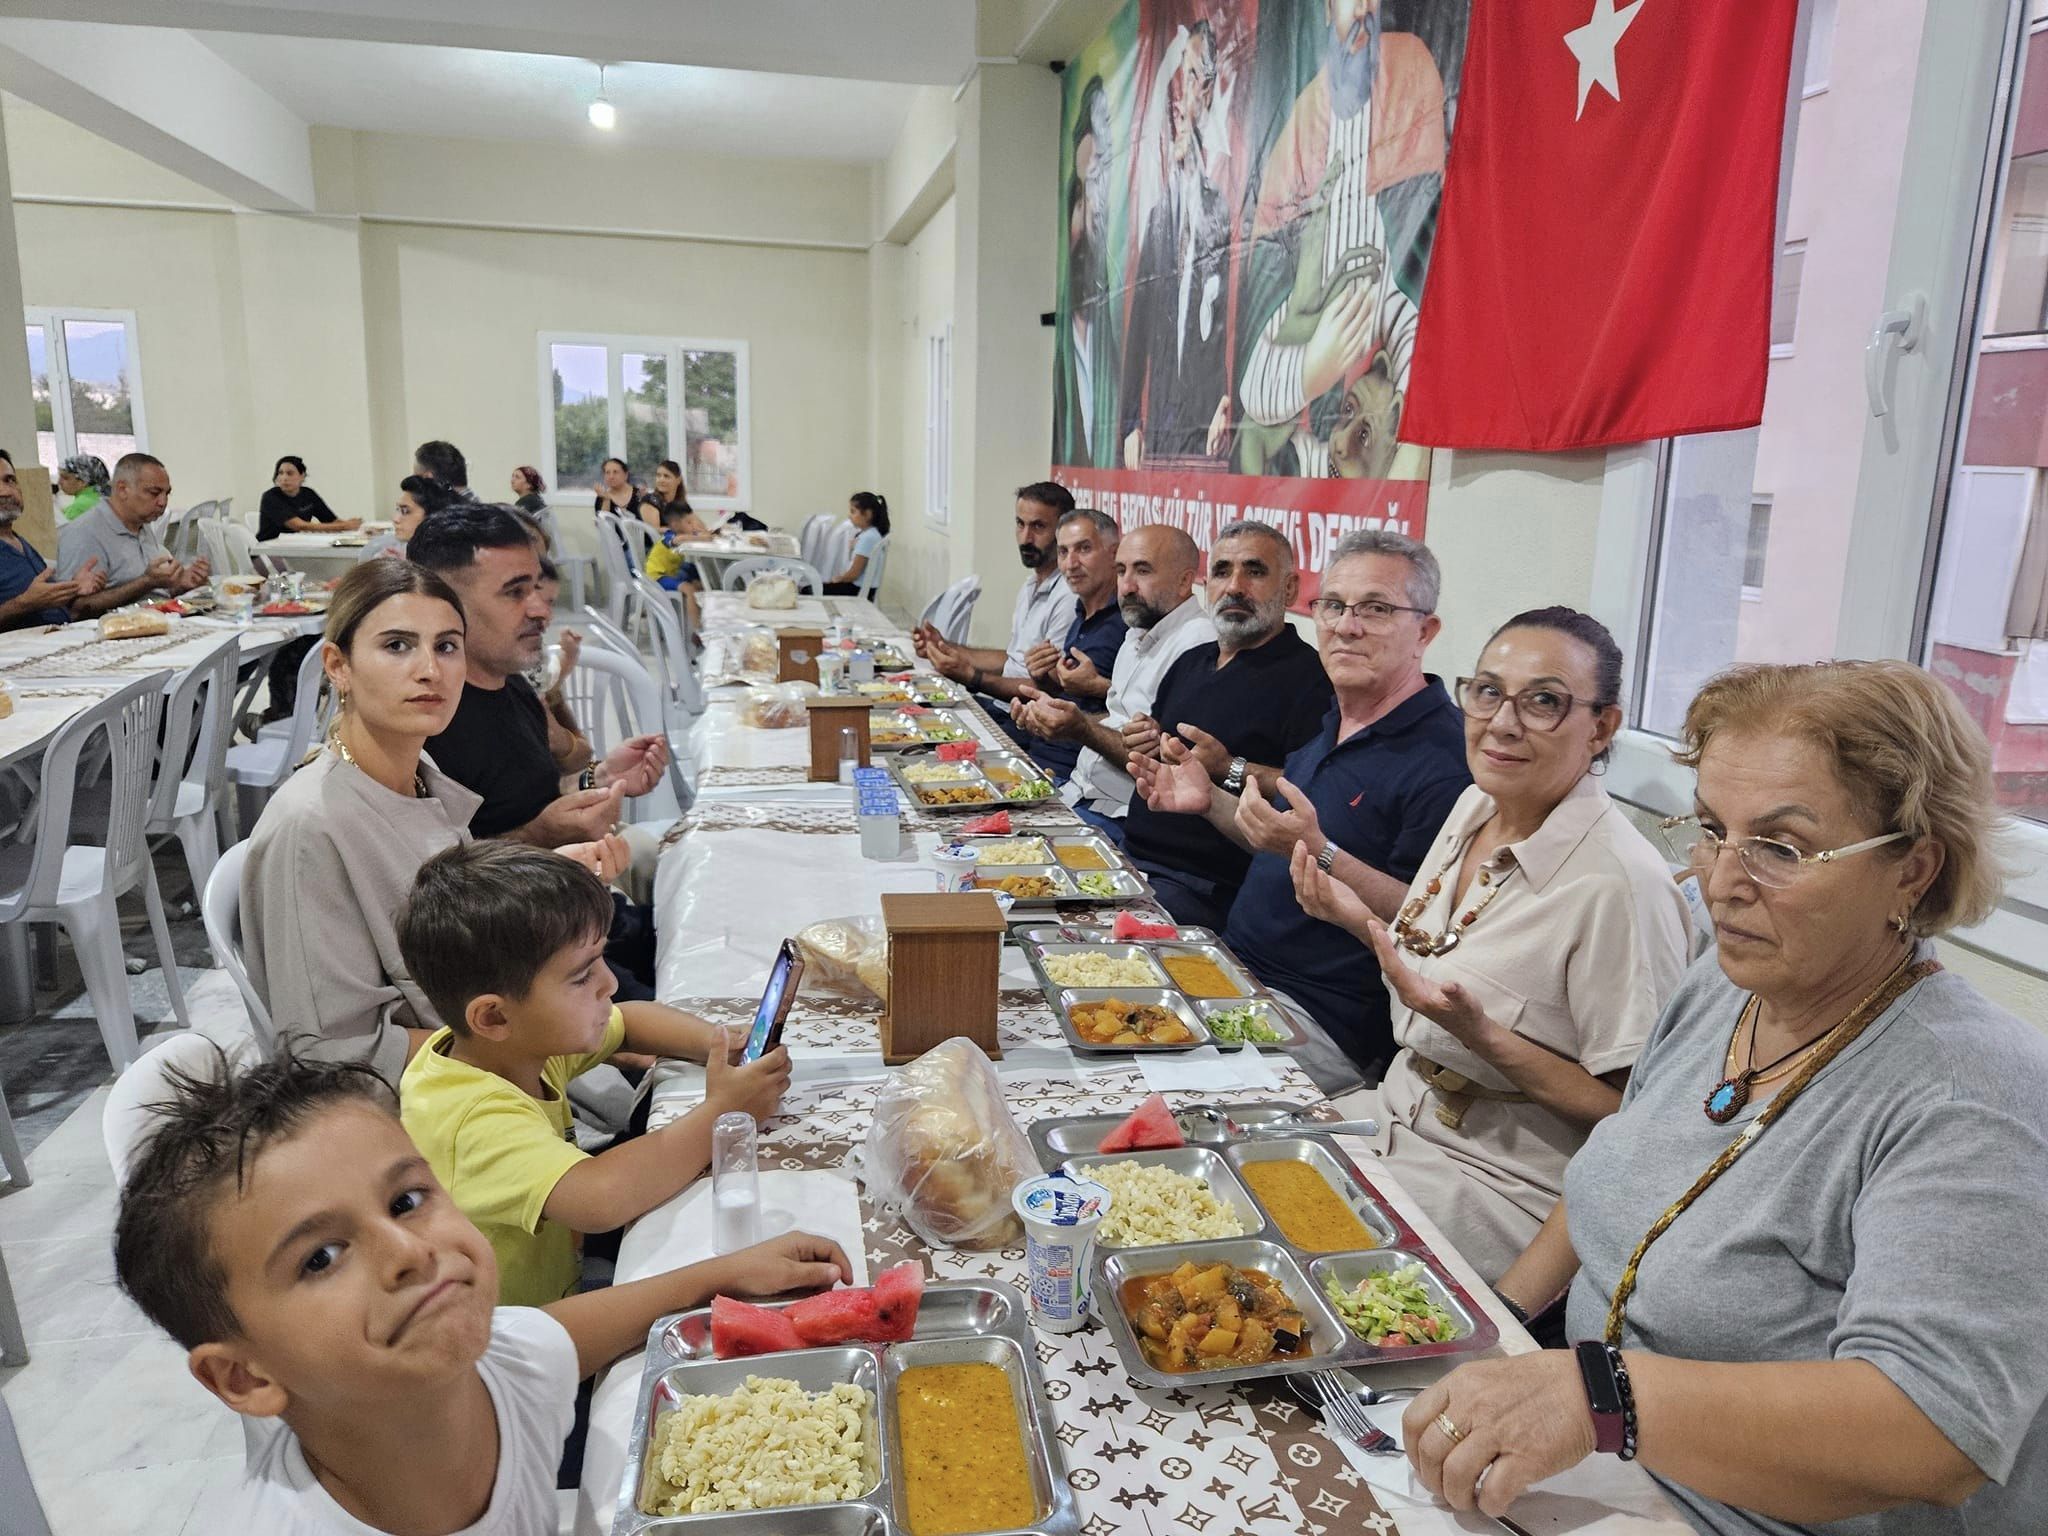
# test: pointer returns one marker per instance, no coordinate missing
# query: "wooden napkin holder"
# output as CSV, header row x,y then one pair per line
x,y
829,716
944,956
797,653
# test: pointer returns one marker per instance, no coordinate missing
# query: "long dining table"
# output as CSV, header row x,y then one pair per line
x,y
761,855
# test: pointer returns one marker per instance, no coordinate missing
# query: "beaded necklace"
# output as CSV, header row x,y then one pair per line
x,y
1417,941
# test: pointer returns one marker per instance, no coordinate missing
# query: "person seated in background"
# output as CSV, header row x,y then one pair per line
x,y
668,491
1234,708
418,498
443,462
292,506
617,493
117,540
1078,668
567,744
337,847
1539,942
529,490
1156,567
1043,612
30,592
279,1224
1367,793
1781,1357
509,943
664,564
869,514
82,484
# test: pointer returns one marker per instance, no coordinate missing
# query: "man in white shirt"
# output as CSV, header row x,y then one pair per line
x,y
1045,606
1156,567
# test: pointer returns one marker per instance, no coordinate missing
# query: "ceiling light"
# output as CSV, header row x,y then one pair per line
x,y
602,113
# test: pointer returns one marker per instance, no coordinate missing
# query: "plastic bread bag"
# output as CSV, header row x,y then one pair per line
x,y
772,590
944,1151
776,709
760,654
848,956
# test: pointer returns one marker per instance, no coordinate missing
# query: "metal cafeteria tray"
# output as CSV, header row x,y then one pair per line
x,y
958,1322
1112,856
1040,849
1216,955
1056,1140
897,720
1208,948
1025,772
1070,998
1267,1009
1043,952
1327,1336
1189,1162
970,773
1318,1153
1063,888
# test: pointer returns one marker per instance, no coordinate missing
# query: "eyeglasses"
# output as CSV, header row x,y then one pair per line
x,y
1372,613
1764,859
1543,709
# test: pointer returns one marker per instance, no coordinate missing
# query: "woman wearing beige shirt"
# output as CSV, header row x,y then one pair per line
x,y
1540,940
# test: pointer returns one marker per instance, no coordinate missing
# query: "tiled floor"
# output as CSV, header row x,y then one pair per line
x,y
119,1438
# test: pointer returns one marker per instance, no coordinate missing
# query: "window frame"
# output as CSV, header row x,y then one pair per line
x,y
1787,249
57,350
1754,592
617,346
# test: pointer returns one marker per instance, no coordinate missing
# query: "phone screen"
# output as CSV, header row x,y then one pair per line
x,y
775,1001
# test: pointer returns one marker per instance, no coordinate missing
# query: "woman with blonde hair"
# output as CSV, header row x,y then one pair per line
x,y
1806,1256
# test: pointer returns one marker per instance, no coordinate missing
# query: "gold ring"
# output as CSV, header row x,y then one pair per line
x,y
1443,1422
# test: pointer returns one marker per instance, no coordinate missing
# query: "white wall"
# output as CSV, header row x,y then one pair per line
x,y
917,304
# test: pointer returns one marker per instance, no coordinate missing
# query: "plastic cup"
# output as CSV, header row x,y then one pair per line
x,y
735,1183
1060,1214
956,864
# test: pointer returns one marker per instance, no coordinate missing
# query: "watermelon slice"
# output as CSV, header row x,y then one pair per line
x,y
998,823
1127,928
1151,1125
843,1316
740,1329
898,1290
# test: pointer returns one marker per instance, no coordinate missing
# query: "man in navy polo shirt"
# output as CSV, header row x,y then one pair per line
x,y
1366,796
1080,666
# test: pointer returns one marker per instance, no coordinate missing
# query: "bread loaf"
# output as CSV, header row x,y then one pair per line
x,y
132,624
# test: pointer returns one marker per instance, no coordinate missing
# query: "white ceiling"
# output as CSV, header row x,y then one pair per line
x,y
473,93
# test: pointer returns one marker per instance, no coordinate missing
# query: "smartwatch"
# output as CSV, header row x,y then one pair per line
x,y
1234,779
1326,860
1613,1405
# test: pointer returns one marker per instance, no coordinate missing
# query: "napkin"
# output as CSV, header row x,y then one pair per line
x,y
1207,1070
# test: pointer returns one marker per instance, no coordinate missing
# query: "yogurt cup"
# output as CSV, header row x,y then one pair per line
x,y
1060,1214
956,864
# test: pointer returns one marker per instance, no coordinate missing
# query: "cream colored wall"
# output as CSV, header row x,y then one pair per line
x,y
919,304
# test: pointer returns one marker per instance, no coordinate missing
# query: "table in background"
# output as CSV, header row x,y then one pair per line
x,y
322,556
713,557
726,611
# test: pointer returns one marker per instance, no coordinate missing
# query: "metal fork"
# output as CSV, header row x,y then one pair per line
x,y
1341,1409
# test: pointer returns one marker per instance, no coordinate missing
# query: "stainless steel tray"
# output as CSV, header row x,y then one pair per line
x,y
1321,1154
1063,887
1194,941
971,773
1189,1162
1327,1335
1268,1009
1216,955
1066,999
1042,850
1054,1141
955,718
958,1321
1053,987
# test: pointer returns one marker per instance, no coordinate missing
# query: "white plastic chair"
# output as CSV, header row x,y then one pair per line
x,y
259,766
574,567
870,583
614,559
21,1511
181,535
614,699
667,619
226,559
741,573
835,549
51,880
221,910
129,1118
952,611
596,626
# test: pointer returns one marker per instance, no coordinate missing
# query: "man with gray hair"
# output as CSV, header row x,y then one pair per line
x,y
1228,712
1364,798
117,539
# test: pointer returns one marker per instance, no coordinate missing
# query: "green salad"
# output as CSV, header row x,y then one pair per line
x,y
1029,789
1097,884
1243,1026
1390,1308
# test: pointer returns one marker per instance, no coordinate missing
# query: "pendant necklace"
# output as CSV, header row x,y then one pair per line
x,y
419,780
1418,941
1732,1092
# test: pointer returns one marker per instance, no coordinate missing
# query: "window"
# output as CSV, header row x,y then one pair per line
x,y
938,426
1758,548
86,384
1785,297
645,400
1820,46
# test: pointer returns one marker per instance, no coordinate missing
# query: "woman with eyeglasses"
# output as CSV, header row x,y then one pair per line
x,y
1539,941
1806,1257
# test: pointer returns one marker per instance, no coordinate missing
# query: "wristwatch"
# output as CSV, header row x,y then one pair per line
x,y
1608,1396
587,779
1326,860
1234,779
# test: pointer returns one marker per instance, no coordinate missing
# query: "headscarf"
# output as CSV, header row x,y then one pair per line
x,y
90,468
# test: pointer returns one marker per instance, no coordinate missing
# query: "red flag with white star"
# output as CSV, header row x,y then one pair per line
x,y
1602,271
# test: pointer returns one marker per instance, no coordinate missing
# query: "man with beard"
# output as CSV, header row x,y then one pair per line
x,y
1078,668
1045,606
1351,187
1175,393
30,592
1084,408
1155,584
1231,711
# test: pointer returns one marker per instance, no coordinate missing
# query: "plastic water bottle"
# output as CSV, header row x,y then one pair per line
x,y
849,754
735,1184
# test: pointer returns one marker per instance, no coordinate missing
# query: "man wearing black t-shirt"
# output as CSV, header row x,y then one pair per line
x,y
1239,706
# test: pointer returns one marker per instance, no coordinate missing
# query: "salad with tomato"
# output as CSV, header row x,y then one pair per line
x,y
1390,1308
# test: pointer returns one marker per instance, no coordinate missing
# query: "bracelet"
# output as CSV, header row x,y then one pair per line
x,y
976,680
1515,1309
1628,1405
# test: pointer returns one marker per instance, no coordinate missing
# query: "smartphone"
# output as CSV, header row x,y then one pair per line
x,y
776,1000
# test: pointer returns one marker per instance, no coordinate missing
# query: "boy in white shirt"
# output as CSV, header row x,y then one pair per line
x,y
281,1226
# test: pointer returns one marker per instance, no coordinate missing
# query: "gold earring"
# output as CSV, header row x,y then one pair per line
x,y
1898,925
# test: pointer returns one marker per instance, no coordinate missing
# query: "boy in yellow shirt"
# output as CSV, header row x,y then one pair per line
x,y
507,942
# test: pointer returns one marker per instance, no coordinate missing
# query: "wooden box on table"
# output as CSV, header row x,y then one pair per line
x,y
944,955
830,716
797,651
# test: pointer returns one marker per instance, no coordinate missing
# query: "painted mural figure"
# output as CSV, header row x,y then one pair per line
x,y
1340,235
1085,406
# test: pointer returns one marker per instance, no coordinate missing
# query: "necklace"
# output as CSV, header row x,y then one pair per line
x,y
419,780
1416,940
1729,1095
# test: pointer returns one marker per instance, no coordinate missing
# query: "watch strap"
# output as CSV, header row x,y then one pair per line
x,y
1233,780
1326,858
1608,1397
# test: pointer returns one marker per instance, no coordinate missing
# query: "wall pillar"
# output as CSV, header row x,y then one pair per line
x,y
17,408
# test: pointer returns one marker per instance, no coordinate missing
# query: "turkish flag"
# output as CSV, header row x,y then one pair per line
x,y
1602,271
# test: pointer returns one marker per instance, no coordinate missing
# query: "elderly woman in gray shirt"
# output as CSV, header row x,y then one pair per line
x,y
338,847
1806,1258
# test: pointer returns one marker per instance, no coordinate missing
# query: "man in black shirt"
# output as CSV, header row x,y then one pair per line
x,y
1238,706
1080,667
